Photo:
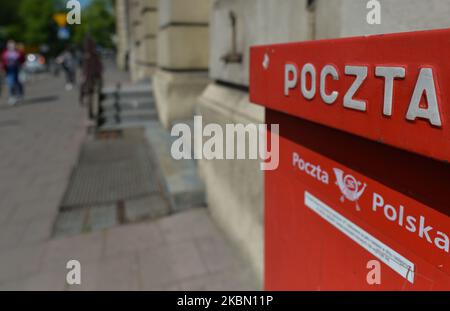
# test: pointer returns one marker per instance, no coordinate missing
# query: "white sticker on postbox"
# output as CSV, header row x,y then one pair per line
x,y
387,255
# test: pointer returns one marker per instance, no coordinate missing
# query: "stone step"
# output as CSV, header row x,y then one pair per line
x,y
128,121
144,113
128,105
181,177
135,91
111,125
129,95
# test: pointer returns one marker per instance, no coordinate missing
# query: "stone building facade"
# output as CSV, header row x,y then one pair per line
x,y
202,67
183,53
136,22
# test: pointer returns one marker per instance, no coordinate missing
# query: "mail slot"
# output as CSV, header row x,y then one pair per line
x,y
364,173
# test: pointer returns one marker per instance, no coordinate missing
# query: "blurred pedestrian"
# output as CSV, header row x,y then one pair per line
x,y
68,62
12,60
1,83
92,78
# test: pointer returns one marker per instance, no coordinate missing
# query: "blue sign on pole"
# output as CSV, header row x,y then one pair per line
x,y
63,33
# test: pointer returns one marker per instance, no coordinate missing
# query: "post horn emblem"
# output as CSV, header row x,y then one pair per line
x,y
351,188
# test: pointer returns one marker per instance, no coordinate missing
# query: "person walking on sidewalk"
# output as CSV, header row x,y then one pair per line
x,y
92,78
68,63
12,60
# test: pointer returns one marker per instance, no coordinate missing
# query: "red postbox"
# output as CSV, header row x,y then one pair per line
x,y
364,173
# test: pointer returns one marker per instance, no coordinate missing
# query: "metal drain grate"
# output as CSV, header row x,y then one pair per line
x,y
115,182
110,171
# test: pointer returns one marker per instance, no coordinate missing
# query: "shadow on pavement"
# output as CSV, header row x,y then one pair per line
x,y
40,100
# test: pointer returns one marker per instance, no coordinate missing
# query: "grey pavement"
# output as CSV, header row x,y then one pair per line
x,y
40,142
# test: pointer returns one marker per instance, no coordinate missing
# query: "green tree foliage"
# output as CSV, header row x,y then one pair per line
x,y
36,18
97,19
10,20
31,22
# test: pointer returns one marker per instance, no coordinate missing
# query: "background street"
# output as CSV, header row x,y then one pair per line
x,y
40,145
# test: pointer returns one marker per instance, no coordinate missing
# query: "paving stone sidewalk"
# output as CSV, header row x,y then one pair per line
x,y
39,146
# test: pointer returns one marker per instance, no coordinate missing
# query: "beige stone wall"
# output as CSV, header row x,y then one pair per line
x,y
183,38
344,18
149,18
184,11
235,187
183,48
139,21
143,25
257,22
122,32
134,25
182,57
177,94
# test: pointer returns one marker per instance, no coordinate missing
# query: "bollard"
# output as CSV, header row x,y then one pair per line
x,y
117,103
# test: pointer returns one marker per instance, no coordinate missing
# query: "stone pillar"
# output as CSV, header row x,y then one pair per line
x,y
345,18
182,57
143,30
149,18
235,187
122,33
135,25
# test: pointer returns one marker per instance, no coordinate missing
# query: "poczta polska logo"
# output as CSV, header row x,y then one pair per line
x,y
351,188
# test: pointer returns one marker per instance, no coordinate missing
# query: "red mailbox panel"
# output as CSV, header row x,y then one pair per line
x,y
389,88
338,200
